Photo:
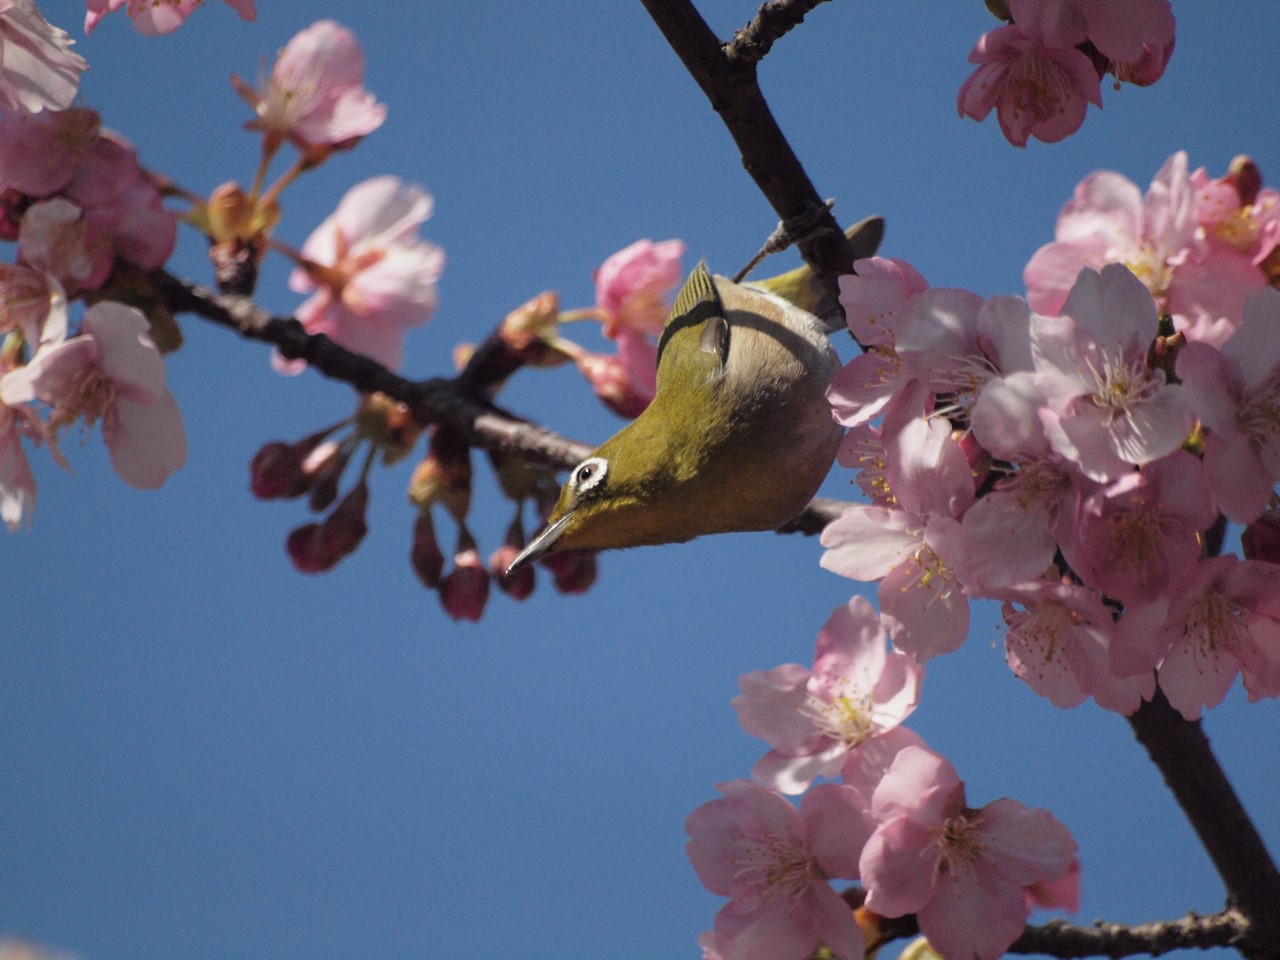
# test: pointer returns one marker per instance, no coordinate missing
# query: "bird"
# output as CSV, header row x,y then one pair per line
x,y
739,434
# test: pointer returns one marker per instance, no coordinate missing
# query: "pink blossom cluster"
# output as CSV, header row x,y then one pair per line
x,y
153,17
1199,245
1070,462
81,210
898,821
76,199
110,373
1041,70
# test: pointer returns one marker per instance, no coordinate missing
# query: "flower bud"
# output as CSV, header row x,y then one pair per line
x,y
574,571
531,323
518,585
389,425
1244,175
425,556
465,591
608,378
317,547
275,472
444,475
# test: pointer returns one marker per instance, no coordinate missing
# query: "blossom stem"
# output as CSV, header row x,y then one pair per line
x,y
1181,751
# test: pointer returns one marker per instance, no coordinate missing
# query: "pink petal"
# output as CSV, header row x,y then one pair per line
x,y
145,440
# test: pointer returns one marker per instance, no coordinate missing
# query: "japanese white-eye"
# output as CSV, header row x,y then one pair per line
x,y
739,435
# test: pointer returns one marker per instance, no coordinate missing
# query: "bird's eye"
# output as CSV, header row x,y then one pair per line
x,y
588,474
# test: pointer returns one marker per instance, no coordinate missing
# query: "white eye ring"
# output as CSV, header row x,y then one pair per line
x,y
588,474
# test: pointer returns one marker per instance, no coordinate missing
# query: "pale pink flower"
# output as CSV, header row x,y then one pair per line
x,y
17,482
1140,532
823,721
1058,644
1235,392
875,298
372,275
1037,90
1201,285
32,301
152,17
111,373
910,548
1219,619
55,238
315,95
962,872
40,153
1130,35
38,71
868,385
776,863
1106,409
633,286
1061,894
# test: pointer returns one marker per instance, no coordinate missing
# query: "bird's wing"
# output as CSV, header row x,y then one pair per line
x,y
698,309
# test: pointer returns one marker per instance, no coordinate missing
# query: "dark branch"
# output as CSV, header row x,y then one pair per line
x,y
775,18
456,403
1057,938
729,83
1181,751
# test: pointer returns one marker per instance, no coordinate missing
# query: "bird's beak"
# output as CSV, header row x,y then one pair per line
x,y
540,544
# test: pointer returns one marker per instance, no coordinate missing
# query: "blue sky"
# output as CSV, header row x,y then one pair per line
x,y
207,755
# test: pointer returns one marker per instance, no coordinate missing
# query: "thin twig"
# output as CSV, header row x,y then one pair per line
x,y
1057,938
774,19
729,83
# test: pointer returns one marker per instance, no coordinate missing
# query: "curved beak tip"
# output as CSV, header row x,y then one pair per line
x,y
539,545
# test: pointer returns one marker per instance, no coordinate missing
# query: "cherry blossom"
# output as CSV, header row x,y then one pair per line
x,y
875,297
32,301
1136,534
836,717
633,286
775,862
1036,89
151,18
1106,409
111,373
372,275
1058,644
950,864
1235,392
315,95
1201,284
17,482
910,548
38,71
1218,619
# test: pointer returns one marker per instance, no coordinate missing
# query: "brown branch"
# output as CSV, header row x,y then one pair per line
x,y
456,403
729,83
1057,938
771,23
1181,751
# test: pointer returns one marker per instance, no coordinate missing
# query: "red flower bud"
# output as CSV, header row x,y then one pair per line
x,y
465,591
317,547
574,571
